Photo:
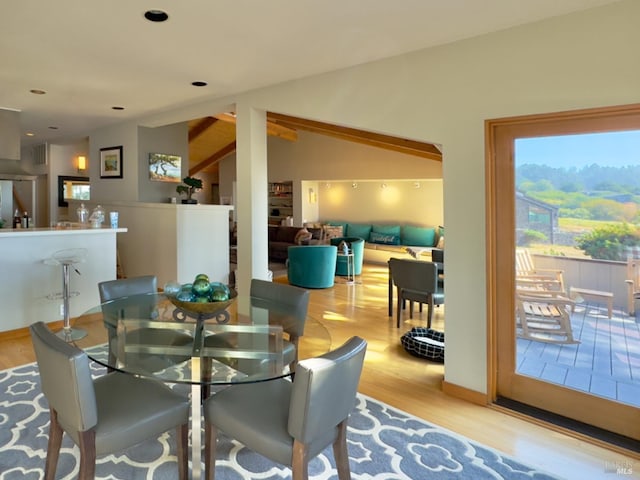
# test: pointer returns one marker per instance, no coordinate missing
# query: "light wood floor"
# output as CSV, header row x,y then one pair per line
x,y
414,385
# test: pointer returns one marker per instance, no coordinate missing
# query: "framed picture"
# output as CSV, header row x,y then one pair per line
x,y
111,162
164,167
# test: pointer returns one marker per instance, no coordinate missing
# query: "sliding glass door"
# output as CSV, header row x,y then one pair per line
x,y
564,229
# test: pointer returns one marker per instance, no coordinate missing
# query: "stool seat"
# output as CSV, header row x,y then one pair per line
x,y
67,258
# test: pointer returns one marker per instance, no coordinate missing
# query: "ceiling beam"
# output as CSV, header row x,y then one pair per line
x,y
273,129
402,145
201,127
213,159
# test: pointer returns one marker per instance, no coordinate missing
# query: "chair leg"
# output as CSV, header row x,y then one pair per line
x,y
210,439
399,307
300,462
53,447
183,451
87,445
340,452
429,311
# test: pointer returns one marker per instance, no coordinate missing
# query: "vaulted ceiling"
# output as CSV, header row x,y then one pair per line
x,y
213,138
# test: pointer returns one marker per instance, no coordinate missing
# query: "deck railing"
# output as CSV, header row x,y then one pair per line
x,y
603,275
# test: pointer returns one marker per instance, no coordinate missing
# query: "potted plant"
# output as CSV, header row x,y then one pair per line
x,y
190,186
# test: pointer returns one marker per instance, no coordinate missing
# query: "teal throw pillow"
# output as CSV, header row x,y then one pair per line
x,y
359,230
418,236
387,229
384,238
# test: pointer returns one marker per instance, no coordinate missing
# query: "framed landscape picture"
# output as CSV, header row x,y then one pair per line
x,y
164,167
111,162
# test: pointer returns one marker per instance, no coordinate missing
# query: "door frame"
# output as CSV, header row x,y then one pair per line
x,y
500,222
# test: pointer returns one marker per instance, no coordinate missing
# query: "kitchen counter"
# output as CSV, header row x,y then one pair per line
x,y
39,232
28,285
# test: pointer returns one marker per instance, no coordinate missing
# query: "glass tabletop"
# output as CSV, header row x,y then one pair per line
x,y
149,335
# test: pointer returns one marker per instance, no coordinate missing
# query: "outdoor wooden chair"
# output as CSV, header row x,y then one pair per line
x,y
544,316
527,272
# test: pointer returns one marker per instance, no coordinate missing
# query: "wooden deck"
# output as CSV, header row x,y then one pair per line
x,y
606,362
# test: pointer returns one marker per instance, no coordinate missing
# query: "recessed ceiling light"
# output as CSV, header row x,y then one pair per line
x,y
199,84
36,91
30,134
156,16
117,108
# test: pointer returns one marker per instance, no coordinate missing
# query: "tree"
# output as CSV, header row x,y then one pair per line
x,y
609,242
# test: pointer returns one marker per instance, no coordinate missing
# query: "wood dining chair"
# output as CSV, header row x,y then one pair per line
x,y
106,415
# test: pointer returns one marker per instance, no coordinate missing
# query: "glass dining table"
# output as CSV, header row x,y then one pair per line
x,y
153,335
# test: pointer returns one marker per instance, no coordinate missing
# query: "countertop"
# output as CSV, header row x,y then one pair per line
x,y
11,232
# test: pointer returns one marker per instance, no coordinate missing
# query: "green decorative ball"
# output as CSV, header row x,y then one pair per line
x,y
219,295
201,287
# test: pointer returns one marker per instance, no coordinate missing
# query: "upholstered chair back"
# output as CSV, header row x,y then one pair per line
x,y
324,393
66,380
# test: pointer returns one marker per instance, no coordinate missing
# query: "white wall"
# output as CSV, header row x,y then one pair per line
x,y
444,95
319,157
400,202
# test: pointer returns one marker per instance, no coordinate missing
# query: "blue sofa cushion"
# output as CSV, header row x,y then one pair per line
x,y
384,238
360,230
418,236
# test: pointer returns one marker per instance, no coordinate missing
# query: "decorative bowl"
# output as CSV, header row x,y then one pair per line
x,y
204,307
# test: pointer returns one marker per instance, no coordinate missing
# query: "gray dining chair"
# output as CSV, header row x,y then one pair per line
x,y
125,287
291,422
106,415
416,281
290,301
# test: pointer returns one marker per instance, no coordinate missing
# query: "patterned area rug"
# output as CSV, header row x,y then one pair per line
x,y
383,442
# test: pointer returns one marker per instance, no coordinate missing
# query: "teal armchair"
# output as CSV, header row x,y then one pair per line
x,y
312,266
356,244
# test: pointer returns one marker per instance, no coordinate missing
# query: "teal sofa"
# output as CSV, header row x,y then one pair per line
x,y
356,245
312,266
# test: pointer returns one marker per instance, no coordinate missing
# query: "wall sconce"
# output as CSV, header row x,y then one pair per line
x,y
383,185
354,185
416,184
313,197
82,163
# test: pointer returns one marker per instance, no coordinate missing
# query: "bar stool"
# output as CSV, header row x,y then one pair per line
x,y
68,258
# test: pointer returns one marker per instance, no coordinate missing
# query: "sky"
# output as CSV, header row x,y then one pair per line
x,y
614,149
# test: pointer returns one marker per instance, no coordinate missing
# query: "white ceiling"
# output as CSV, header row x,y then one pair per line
x,y
91,55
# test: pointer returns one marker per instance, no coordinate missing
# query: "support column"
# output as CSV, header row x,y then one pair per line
x,y
252,198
